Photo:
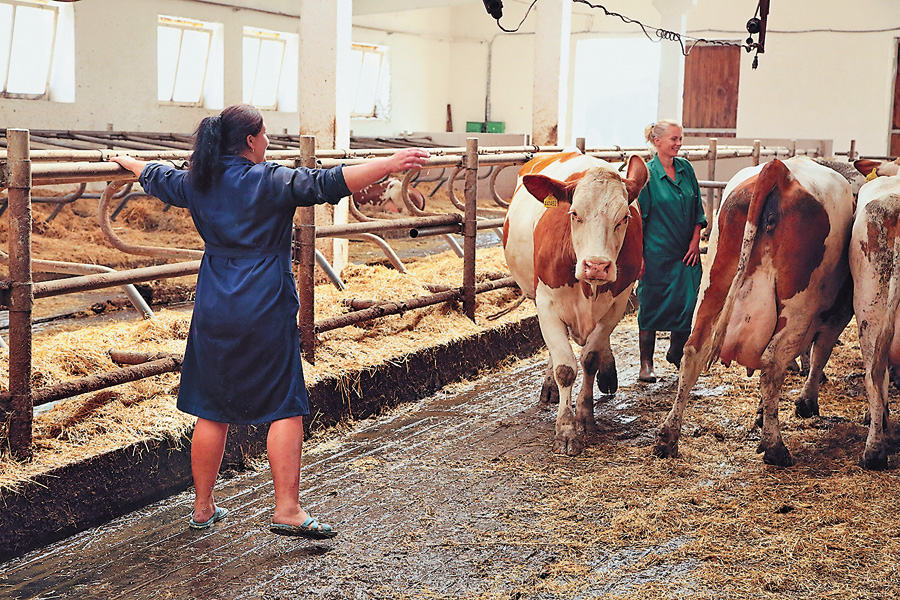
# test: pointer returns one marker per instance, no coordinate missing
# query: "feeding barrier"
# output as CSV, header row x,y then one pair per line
x,y
21,168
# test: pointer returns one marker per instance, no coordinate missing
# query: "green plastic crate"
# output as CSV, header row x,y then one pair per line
x,y
475,126
495,127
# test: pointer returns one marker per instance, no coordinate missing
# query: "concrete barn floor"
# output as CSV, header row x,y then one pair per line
x,y
412,494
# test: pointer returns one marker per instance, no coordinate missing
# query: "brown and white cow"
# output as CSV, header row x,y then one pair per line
x,y
777,280
875,267
387,196
573,241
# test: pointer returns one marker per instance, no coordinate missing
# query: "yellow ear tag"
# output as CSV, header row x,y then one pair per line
x,y
869,177
550,201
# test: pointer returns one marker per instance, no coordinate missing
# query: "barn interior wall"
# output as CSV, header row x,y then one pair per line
x,y
808,85
836,85
420,56
115,67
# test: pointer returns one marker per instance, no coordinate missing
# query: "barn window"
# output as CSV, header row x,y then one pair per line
x,y
370,76
189,62
36,50
270,69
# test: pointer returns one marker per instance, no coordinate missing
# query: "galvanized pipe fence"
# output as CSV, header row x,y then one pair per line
x,y
21,169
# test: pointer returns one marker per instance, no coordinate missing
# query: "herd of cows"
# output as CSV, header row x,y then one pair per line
x,y
796,250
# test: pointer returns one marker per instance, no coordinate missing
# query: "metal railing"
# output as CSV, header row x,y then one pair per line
x,y
20,169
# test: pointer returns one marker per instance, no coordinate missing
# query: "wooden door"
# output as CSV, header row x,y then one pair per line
x,y
711,76
895,119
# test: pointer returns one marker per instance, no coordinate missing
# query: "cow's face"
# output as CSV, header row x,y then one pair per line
x,y
598,202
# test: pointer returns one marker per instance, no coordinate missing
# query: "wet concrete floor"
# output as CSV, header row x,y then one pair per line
x,y
420,508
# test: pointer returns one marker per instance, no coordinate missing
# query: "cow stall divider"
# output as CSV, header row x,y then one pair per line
x,y
20,169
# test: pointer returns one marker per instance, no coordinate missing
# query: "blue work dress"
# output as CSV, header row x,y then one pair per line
x,y
667,293
242,361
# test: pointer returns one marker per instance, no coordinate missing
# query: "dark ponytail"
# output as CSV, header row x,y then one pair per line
x,y
218,136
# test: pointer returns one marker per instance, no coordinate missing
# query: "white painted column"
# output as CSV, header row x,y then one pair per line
x,y
325,39
551,71
673,14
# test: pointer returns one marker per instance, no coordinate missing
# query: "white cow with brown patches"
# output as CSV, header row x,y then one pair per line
x,y
777,281
573,241
875,266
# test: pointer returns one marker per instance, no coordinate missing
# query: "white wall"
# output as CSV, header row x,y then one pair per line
x,y
817,85
808,85
115,67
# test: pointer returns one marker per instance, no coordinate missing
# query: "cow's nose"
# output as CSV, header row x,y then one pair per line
x,y
598,269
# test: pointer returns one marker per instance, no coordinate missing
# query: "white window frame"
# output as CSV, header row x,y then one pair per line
x,y
8,52
251,69
184,24
380,95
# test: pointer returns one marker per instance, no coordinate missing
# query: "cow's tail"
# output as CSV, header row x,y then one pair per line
x,y
886,335
772,173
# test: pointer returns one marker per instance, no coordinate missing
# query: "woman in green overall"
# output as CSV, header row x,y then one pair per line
x,y
673,217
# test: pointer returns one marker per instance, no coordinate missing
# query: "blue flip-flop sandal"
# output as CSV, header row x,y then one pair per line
x,y
218,515
310,528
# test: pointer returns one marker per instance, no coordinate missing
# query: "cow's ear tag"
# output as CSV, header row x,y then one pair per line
x,y
869,177
551,201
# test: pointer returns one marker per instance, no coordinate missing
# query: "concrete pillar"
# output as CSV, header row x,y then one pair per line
x,y
673,17
325,39
552,43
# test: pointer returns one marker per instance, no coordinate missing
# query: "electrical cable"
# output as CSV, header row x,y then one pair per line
x,y
659,33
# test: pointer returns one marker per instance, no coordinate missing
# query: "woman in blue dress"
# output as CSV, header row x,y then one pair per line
x,y
242,361
673,217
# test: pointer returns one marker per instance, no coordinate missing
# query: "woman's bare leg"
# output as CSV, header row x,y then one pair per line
x,y
207,449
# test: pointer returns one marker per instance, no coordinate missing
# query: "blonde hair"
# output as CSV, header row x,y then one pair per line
x,y
655,130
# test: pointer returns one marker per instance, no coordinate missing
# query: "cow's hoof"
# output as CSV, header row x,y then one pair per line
x,y
549,391
571,446
874,460
806,408
589,426
665,450
608,382
777,455
666,444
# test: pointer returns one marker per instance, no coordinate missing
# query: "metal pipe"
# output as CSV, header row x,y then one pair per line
x,y
306,252
93,383
126,357
117,242
385,225
329,271
454,245
711,173
459,205
69,268
441,157
84,283
482,224
404,193
470,231
497,199
21,301
392,308
385,247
